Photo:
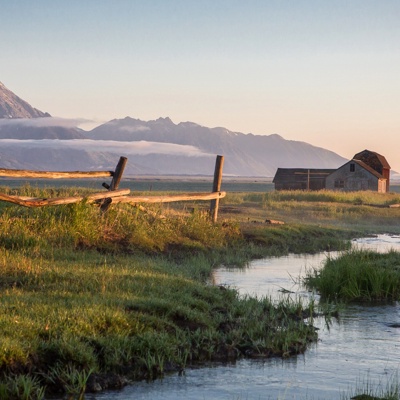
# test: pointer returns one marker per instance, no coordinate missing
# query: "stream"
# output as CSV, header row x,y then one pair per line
x,y
360,349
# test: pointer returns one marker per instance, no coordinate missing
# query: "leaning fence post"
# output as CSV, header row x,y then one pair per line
x,y
214,204
117,176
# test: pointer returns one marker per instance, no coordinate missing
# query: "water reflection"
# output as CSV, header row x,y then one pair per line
x,y
365,344
272,276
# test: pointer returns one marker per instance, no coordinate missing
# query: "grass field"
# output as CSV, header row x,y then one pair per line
x,y
89,299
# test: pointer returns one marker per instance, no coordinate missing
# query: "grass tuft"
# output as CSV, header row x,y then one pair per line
x,y
358,275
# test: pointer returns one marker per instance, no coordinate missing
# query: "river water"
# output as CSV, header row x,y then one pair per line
x,y
361,348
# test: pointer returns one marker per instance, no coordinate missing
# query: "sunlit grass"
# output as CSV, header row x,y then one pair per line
x,y
86,293
127,292
96,313
361,211
358,275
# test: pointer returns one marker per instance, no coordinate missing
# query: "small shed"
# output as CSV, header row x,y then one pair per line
x,y
301,178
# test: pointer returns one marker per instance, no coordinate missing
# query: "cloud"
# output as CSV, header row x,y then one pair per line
x,y
45,121
110,146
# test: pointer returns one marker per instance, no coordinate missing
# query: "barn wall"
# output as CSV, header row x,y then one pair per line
x,y
386,174
290,185
346,180
300,178
377,162
382,186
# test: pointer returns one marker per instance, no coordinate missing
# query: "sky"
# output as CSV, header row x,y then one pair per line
x,y
326,72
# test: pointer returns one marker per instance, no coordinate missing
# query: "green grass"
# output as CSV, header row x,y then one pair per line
x,y
296,238
327,196
361,212
87,295
368,389
358,275
84,312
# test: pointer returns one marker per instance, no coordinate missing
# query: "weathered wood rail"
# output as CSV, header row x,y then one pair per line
x,y
113,195
40,202
20,173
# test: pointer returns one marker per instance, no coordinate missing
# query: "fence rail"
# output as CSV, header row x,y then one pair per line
x,y
113,195
20,173
41,202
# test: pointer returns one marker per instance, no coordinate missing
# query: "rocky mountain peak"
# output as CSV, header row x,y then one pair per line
x,y
166,120
12,106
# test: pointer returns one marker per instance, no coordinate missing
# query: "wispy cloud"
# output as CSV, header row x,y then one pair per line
x,y
109,146
47,121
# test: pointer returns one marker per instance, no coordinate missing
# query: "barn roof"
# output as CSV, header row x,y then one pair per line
x,y
380,157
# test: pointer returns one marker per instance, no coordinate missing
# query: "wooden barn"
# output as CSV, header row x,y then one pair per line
x,y
301,178
367,170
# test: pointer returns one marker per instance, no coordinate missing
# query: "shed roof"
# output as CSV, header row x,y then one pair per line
x,y
284,173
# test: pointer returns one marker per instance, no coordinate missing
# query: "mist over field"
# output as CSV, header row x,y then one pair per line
x,y
141,147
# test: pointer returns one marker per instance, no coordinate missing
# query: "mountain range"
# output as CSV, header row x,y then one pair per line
x,y
32,139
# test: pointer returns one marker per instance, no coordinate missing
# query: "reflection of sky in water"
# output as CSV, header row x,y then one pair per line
x,y
276,275
363,346
379,243
271,276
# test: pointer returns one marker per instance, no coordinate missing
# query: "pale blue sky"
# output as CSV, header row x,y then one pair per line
x,y
324,72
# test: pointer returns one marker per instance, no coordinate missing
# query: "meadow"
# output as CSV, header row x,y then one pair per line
x,y
91,301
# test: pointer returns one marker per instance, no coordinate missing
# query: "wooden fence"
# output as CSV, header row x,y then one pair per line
x,y
113,194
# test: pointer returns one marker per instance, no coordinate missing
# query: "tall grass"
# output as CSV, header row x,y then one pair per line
x,y
368,389
358,275
328,196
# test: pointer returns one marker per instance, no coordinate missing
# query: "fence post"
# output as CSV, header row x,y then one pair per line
x,y
117,176
214,204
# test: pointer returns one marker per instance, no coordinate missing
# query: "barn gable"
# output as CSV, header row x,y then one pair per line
x,y
377,162
356,175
